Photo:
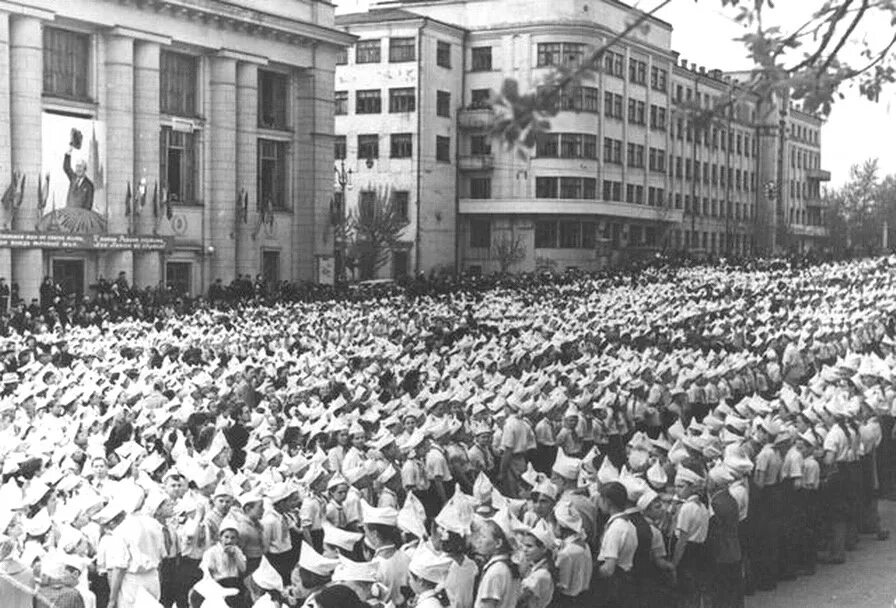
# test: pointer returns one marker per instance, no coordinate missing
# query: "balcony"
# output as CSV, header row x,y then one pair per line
x,y
820,174
476,118
476,162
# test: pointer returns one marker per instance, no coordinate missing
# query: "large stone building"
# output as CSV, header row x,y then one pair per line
x,y
623,174
206,132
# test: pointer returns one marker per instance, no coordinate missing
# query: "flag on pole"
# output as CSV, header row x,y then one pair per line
x,y
127,201
245,209
155,199
169,209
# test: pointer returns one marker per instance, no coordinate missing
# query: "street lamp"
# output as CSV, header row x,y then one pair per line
x,y
343,181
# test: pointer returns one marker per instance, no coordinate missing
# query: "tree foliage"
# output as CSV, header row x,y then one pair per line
x,y
372,231
509,251
857,212
806,65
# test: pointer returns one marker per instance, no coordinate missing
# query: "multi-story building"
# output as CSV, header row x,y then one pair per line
x,y
173,141
623,172
396,94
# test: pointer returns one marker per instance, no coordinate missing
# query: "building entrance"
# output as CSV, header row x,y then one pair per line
x,y
70,276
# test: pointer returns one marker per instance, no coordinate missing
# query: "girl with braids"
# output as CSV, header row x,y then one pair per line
x,y
499,583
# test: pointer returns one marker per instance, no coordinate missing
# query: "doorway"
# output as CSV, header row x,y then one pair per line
x,y
69,274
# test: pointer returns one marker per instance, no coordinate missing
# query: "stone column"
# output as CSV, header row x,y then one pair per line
x,y
5,149
148,264
25,88
119,112
220,205
247,249
312,165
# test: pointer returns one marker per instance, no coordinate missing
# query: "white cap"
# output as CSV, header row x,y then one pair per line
x,y
428,565
266,577
311,560
412,516
350,570
340,538
566,467
386,516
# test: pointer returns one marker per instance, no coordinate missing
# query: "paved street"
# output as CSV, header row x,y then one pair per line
x,y
866,580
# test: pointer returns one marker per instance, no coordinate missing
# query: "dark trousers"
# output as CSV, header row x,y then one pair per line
x,y
99,585
793,523
283,563
187,575
168,581
767,529
727,586
807,541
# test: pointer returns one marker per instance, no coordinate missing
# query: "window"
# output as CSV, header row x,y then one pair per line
x,y
613,64
545,234
589,149
549,53
570,233
481,59
402,49
178,276
657,160
368,51
270,267
480,98
480,145
177,82
657,118
566,187
66,63
342,56
400,202
635,155
589,233
401,145
272,96
340,99
548,145
443,104
368,146
443,54
570,145
658,79
580,99
272,173
636,112
546,187
612,151
368,102
177,159
367,205
402,100
634,194
480,233
339,147
480,187
560,53
612,190
613,105
637,71
443,149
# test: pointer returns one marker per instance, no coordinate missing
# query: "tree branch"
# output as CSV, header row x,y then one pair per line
x,y
832,21
846,35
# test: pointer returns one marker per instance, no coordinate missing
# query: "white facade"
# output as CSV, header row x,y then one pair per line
x,y
606,190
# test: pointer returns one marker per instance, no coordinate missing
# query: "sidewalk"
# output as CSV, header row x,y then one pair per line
x,y
867,579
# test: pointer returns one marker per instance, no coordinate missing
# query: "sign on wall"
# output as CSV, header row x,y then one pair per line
x,y
97,242
326,270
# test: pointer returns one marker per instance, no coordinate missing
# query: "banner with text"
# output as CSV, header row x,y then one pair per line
x,y
101,242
